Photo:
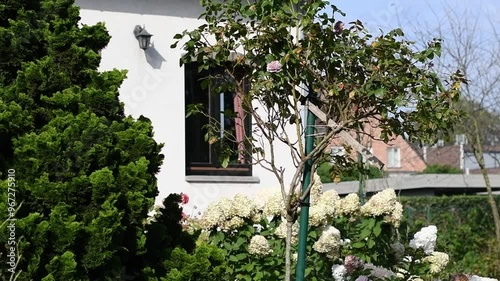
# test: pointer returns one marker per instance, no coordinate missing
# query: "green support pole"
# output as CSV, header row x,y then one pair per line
x,y
304,210
361,191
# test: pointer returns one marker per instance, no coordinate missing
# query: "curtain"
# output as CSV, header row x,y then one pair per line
x,y
239,128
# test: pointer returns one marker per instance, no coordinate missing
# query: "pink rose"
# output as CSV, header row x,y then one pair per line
x,y
274,66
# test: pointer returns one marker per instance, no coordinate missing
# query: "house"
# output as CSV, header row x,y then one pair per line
x,y
399,157
158,88
460,155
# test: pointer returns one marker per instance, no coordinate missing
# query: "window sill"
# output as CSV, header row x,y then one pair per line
x,y
222,179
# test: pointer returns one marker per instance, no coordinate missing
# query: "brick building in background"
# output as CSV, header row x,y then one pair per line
x,y
399,157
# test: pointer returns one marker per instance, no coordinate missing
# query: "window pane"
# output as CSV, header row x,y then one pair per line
x,y
197,149
393,157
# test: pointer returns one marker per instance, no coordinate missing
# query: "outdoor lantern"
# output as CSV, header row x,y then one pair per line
x,y
143,36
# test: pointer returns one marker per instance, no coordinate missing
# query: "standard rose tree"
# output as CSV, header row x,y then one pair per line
x,y
272,53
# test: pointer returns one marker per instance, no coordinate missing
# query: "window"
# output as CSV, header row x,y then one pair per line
x,y
393,157
337,153
370,149
226,113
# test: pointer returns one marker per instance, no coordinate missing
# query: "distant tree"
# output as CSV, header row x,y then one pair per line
x,y
84,173
472,45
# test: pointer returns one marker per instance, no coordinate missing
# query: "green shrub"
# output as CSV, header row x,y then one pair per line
x,y
466,230
441,169
207,263
327,172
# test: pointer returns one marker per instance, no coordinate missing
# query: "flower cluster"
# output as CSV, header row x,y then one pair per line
x,y
316,190
328,242
425,239
281,231
338,272
438,261
352,263
379,272
349,205
228,214
274,205
384,203
259,246
324,205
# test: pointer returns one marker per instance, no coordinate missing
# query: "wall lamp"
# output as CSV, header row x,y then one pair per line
x,y
143,36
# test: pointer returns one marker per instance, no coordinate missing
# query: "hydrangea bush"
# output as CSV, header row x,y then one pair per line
x,y
346,240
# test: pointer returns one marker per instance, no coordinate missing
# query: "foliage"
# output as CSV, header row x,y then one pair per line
x,y
441,169
328,173
84,173
354,74
466,230
339,228
207,263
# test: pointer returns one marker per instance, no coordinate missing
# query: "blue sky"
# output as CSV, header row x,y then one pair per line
x,y
388,14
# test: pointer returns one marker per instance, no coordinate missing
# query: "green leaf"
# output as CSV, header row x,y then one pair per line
x,y
308,271
225,162
241,256
378,228
371,243
358,245
365,233
239,242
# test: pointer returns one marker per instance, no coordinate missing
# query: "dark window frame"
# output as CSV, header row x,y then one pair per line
x,y
202,157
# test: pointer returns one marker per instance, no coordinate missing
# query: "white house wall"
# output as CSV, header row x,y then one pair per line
x,y
155,87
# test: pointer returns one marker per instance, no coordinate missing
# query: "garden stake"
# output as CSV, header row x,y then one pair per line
x,y
304,209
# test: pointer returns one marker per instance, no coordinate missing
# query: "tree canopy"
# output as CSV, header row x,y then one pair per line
x,y
291,48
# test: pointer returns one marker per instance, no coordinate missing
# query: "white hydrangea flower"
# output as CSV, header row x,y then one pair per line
x,y
379,272
349,205
274,205
233,223
380,203
330,200
211,217
259,246
281,231
339,272
316,190
261,197
242,206
425,239
317,216
384,203
479,278
329,241
396,216
438,261
225,207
